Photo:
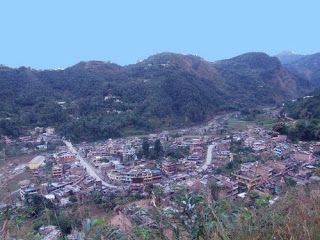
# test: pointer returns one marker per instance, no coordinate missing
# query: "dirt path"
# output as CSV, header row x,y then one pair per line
x,y
121,221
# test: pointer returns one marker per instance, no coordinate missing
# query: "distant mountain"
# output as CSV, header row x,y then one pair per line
x,y
307,67
95,100
288,57
259,78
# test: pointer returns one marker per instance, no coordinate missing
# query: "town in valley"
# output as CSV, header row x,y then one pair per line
x,y
243,159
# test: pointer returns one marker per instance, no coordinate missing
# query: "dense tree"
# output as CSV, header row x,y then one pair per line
x,y
214,190
145,148
158,149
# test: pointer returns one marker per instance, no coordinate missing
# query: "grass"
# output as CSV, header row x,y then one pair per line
x,y
236,124
296,216
265,121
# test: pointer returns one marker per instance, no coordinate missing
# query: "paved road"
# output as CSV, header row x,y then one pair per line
x,y
208,159
89,168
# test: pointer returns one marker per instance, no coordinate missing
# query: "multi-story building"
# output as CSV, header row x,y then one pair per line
x,y
169,167
128,155
27,191
135,176
247,179
57,170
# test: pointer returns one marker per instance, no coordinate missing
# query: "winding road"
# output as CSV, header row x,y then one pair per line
x,y
89,168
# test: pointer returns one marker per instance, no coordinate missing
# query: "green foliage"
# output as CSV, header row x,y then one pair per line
x,y
145,148
250,114
307,112
107,202
37,204
143,233
98,229
37,223
241,154
214,189
176,153
238,147
157,149
304,130
31,236
65,223
73,199
295,215
281,127
262,201
290,182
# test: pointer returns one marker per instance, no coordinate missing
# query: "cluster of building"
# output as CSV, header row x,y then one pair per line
x,y
274,163
117,162
279,160
61,176
36,139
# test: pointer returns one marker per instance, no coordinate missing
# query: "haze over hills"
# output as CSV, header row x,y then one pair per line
x,y
287,57
307,67
94,100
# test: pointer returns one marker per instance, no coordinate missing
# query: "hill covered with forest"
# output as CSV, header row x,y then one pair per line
x,y
95,100
305,113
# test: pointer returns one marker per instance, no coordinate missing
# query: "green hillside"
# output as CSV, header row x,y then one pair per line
x,y
96,100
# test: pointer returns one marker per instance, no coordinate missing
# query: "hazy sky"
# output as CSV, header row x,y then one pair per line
x,y
59,33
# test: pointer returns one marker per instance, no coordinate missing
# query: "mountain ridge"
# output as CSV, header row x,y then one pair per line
x,y
103,99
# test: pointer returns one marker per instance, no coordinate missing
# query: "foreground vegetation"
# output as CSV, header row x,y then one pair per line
x,y
201,216
295,216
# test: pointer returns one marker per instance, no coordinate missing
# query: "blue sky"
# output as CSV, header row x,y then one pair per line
x,y
59,33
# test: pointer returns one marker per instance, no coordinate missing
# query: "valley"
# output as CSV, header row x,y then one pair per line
x,y
235,157
155,148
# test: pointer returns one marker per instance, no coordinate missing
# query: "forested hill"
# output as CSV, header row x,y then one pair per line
x,y
306,112
307,107
95,100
